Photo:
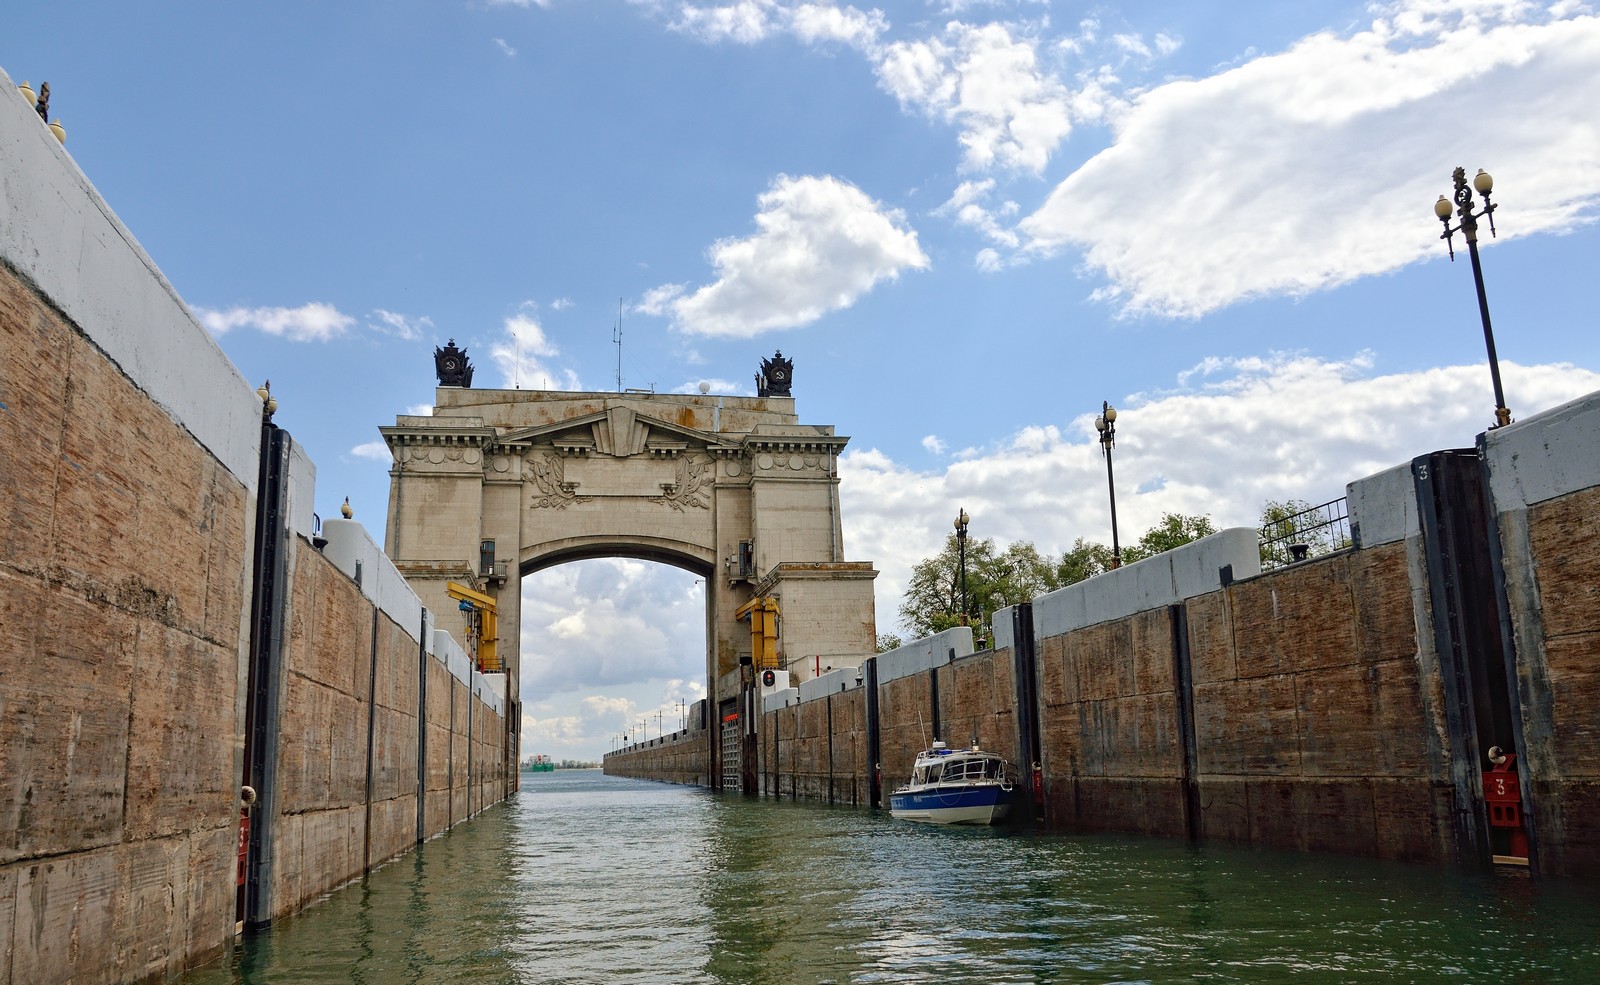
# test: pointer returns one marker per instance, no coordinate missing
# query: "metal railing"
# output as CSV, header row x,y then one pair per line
x,y
1309,533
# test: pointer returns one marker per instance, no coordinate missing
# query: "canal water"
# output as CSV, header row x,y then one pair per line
x,y
589,878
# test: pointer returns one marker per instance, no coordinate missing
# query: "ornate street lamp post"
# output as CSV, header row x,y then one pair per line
x,y
961,546
1469,228
1106,424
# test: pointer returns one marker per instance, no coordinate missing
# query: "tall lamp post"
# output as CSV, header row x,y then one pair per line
x,y
961,546
1468,227
1106,424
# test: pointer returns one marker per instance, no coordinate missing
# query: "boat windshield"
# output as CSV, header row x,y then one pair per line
x,y
972,769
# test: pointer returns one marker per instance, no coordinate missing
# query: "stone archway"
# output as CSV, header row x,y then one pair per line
x,y
500,483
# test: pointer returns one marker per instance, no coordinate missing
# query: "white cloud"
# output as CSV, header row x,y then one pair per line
x,y
753,21
505,48
821,244
1012,113
610,622
401,326
375,450
1300,171
522,356
314,322
966,208
561,304
933,443
1232,435
658,300
716,386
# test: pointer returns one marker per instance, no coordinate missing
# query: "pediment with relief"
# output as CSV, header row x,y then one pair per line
x,y
619,432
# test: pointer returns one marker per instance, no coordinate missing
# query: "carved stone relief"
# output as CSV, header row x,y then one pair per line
x,y
549,489
692,483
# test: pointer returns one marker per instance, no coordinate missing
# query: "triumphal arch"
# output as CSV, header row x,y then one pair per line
x,y
497,484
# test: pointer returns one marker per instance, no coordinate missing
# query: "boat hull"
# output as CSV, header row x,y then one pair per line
x,y
983,803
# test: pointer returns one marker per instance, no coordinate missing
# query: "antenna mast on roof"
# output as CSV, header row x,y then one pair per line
x,y
616,336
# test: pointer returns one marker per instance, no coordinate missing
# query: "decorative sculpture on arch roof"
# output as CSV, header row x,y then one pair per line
x,y
776,376
452,365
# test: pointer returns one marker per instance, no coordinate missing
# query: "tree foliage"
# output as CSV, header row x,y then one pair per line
x,y
1174,530
995,579
1292,522
1019,573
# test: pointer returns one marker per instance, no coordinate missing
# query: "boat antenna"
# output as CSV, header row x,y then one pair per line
x,y
924,729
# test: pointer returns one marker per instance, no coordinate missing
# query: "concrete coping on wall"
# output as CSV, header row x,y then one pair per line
x,y
491,690
780,699
1167,578
353,551
834,681
1383,507
58,232
302,491
920,655
1545,456
447,651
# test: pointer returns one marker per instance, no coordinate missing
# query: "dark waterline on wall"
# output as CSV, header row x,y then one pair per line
x,y
589,878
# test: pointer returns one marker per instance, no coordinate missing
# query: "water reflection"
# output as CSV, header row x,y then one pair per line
x,y
586,878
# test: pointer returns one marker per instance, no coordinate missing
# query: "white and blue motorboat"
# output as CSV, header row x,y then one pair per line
x,y
955,786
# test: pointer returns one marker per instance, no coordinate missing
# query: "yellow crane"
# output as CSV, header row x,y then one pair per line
x,y
481,630
762,611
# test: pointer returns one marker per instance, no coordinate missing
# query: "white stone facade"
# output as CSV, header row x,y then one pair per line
x,y
734,489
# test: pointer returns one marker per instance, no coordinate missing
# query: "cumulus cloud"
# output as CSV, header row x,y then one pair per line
x,y
966,206
1303,170
821,244
314,322
505,47
375,450
1012,112
401,326
1229,436
934,444
522,355
752,21
609,622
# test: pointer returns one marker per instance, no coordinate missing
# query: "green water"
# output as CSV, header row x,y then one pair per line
x,y
588,878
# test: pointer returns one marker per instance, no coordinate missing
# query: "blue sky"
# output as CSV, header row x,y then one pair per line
x,y
968,222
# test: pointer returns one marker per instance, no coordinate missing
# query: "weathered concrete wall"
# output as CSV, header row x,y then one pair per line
x,y
677,758
1545,485
129,450
123,551
124,545
1305,708
1309,727
366,682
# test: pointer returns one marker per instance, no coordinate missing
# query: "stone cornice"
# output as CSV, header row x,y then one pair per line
x,y
407,434
814,443
814,570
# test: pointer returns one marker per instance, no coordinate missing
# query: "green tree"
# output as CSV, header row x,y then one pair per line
x,y
1292,522
1019,573
1084,559
1174,530
889,641
995,579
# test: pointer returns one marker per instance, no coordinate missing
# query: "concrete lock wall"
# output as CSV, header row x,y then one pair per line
x,y
1545,485
680,757
129,457
1324,706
